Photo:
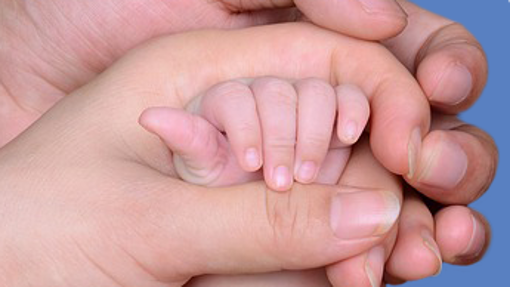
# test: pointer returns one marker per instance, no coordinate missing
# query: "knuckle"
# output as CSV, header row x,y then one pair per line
x,y
287,220
315,142
280,143
278,91
229,89
317,88
227,95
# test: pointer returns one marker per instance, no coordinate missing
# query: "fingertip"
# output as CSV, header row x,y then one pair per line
x,y
452,69
279,179
443,163
306,172
364,270
398,152
252,159
353,113
455,166
416,256
400,118
152,117
463,235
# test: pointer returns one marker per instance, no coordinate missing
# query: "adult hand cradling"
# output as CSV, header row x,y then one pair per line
x,y
470,139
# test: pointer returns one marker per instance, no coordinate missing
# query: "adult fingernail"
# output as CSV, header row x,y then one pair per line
x,y
374,266
363,214
431,244
306,172
413,151
476,244
445,166
252,157
282,177
388,7
454,86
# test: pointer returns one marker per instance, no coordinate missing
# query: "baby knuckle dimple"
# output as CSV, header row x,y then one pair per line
x,y
228,89
316,87
278,91
225,95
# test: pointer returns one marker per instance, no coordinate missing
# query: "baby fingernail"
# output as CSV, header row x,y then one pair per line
x,y
413,151
282,177
431,244
252,157
445,167
454,86
363,214
306,172
350,135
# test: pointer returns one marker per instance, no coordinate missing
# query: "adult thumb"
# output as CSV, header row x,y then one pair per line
x,y
250,229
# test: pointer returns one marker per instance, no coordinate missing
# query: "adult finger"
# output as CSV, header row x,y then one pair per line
x,y
365,269
448,61
367,19
400,111
300,278
250,229
416,254
463,235
457,162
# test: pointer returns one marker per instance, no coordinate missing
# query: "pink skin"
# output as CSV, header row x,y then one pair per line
x,y
288,125
67,68
253,114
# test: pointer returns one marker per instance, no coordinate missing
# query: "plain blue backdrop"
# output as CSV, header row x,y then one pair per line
x,y
489,21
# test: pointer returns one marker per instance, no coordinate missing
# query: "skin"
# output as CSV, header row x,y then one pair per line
x,y
144,233
51,75
94,136
283,121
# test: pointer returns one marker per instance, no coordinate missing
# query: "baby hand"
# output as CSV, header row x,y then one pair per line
x,y
238,126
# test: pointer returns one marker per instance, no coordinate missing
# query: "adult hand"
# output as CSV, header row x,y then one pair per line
x,y
88,197
42,60
39,48
59,45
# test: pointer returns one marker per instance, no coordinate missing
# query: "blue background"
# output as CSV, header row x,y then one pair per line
x,y
489,21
